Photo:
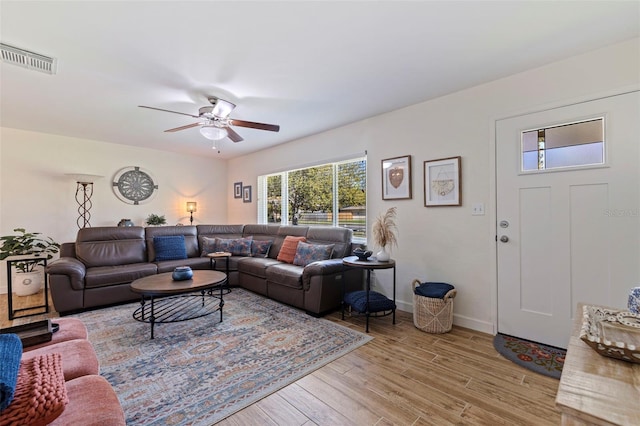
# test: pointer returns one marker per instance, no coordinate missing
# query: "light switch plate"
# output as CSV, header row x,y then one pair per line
x,y
477,209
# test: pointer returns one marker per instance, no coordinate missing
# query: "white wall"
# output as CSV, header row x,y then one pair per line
x,y
35,193
447,243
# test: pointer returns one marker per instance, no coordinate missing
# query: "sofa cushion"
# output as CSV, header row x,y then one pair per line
x,y
41,394
91,397
289,247
285,274
169,247
260,248
307,253
192,262
101,276
188,232
78,357
256,266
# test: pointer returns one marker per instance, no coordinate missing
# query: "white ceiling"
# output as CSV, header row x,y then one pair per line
x,y
307,66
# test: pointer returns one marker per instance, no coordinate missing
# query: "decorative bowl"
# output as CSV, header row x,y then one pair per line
x,y
611,333
362,254
182,273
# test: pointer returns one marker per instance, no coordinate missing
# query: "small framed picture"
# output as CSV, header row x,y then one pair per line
x,y
246,194
237,190
442,180
396,178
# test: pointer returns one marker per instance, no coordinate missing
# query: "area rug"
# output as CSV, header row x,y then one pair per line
x,y
542,359
200,371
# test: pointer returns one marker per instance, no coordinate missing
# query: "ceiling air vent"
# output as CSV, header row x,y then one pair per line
x,y
26,59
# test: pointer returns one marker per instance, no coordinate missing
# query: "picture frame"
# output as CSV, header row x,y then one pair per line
x,y
237,190
246,194
442,182
396,178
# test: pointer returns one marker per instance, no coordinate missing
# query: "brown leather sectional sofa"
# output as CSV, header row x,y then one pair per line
x,y
98,268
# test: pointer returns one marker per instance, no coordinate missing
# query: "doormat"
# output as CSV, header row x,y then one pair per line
x,y
542,359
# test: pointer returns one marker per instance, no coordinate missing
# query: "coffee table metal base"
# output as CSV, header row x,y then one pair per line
x,y
178,308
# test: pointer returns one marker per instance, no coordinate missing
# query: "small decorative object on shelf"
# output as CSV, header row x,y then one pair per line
x,y
384,233
154,219
181,273
634,300
362,253
125,222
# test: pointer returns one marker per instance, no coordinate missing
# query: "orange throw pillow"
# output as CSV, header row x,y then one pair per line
x,y
41,394
288,250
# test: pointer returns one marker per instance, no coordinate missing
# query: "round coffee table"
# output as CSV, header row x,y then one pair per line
x,y
173,301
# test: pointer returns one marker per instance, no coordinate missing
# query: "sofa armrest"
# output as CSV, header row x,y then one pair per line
x,y
324,267
72,268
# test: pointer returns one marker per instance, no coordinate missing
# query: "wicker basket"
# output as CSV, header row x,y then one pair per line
x,y
433,315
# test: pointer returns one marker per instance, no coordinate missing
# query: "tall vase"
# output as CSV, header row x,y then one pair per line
x,y
383,255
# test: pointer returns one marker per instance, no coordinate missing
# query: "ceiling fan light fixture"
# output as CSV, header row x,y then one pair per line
x,y
221,108
213,133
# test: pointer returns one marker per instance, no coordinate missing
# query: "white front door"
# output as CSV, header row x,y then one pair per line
x,y
569,234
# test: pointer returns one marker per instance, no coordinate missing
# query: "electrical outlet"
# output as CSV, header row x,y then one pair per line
x,y
477,209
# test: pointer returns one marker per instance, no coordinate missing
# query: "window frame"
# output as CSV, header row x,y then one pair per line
x,y
284,214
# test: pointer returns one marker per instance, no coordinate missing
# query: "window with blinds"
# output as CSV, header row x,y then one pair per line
x,y
568,145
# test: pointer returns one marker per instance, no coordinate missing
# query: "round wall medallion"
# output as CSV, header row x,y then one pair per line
x,y
134,185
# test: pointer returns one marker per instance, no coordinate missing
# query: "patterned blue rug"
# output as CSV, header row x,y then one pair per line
x,y
200,371
542,359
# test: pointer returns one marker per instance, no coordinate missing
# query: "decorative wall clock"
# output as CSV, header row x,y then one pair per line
x,y
134,185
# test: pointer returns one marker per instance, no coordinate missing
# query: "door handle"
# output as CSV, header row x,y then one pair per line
x,y
504,238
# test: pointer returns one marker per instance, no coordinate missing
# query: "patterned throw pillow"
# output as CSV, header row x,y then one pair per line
x,y
288,249
307,253
169,247
260,248
237,247
208,246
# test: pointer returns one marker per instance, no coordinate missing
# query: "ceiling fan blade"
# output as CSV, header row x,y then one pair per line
x,y
166,110
253,125
231,134
188,126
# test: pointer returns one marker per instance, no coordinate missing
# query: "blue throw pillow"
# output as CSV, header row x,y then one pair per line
x,y
169,247
433,290
11,350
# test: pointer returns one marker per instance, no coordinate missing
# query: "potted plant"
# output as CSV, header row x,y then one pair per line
x,y
384,233
155,220
28,275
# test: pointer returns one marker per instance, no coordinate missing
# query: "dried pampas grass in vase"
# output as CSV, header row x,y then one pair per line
x,y
384,233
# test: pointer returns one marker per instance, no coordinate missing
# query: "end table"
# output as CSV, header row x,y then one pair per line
x,y
370,265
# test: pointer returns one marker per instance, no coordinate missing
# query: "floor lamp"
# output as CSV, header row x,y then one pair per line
x,y
84,191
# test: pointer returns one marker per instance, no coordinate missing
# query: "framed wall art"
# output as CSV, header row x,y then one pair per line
x,y
246,194
442,180
396,178
237,190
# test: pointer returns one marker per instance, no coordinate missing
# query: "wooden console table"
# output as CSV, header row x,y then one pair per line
x,y
596,390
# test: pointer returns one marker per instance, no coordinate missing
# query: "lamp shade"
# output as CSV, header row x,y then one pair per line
x,y
83,178
213,133
192,206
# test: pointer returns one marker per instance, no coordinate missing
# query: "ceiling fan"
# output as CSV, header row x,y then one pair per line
x,y
215,121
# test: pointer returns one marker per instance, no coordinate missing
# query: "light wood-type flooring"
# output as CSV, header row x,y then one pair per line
x,y
403,376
